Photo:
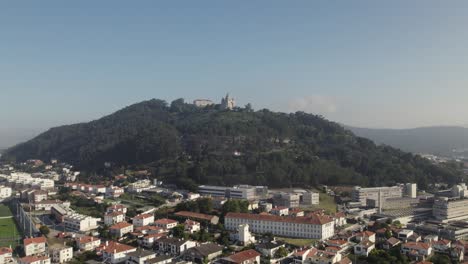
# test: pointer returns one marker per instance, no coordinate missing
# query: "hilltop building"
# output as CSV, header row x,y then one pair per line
x,y
228,103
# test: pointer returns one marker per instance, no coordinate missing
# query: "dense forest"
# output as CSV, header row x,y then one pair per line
x,y
185,144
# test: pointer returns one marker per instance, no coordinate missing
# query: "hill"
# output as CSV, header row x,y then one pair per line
x,y
185,144
440,140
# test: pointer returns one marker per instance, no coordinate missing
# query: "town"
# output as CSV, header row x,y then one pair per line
x,y
50,215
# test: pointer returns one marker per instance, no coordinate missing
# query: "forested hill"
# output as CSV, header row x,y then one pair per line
x,y
186,144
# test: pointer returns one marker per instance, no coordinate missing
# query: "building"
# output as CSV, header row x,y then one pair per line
x,y
140,186
38,196
361,195
115,252
26,180
61,254
311,198
6,255
450,209
393,203
46,205
114,191
87,243
80,223
114,218
120,229
143,220
116,208
174,246
237,192
244,235
314,226
140,256
289,200
203,252
212,219
35,246
411,190
244,257
5,192
269,249
191,226
228,103
149,240
160,260
202,102
34,260
364,247
166,223
417,250
280,211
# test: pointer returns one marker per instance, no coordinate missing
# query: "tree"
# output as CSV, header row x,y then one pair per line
x,y
44,230
441,259
281,252
179,231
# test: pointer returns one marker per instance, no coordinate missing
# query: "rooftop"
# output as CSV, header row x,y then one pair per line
x,y
242,256
34,240
313,219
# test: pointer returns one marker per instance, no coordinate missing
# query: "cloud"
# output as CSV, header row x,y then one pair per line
x,y
314,104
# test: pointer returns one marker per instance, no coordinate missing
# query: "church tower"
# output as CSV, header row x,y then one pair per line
x,y
228,103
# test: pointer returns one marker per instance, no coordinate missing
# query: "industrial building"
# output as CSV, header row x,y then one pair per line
x,y
236,192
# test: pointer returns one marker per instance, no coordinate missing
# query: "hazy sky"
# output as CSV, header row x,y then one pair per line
x,y
364,63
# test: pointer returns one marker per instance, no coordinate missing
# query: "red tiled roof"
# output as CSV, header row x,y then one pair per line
x,y
195,215
443,242
87,239
365,234
336,242
5,250
312,219
50,202
165,221
143,216
417,245
31,259
34,240
114,247
243,256
120,225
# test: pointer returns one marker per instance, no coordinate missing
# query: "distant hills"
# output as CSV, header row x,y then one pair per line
x,y
438,140
184,144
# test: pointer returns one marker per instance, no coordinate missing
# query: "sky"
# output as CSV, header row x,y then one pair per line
x,y
380,64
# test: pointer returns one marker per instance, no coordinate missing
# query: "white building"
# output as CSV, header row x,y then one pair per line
x,y
143,220
362,194
121,229
46,205
411,190
422,249
114,218
245,237
139,186
28,180
315,226
166,223
61,254
116,208
6,255
114,252
88,243
191,226
228,103
35,246
80,223
140,256
450,209
237,192
5,192
202,102
311,198
34,260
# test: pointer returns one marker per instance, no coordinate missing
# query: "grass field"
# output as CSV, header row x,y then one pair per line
x,y
327,202
9,234
299,242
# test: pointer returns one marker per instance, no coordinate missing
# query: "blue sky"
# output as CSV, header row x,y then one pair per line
x,y
366,63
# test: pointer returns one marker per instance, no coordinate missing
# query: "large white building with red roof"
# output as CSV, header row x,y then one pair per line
x,y
166,223
6,255
35,246
88,243
143,220
113,252
313,226
34,260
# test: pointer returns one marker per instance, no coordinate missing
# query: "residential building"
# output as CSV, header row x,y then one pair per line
x,y
280,211
46,205
114,218
244,235
364,247
289,200
34,260
417,249
405,234
163,259
442,246
87,243
6,255
203,252
114,191
61,254
314,226
391,243
5,192
212,219
150,240
120,229
202,102
143,220
116,208
244,257
228,103
362,194
38,196
140,256
174,246
115,252
311,198
269,249
366,235
166,223
191,226
35,246
80,223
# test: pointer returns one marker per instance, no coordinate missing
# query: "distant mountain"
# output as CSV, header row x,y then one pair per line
x,y
185,144
438,140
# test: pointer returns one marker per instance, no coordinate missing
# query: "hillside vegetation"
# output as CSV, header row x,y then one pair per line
x,y
185,144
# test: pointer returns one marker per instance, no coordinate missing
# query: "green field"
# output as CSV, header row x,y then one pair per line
x,y
327,202
299,242
9,233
